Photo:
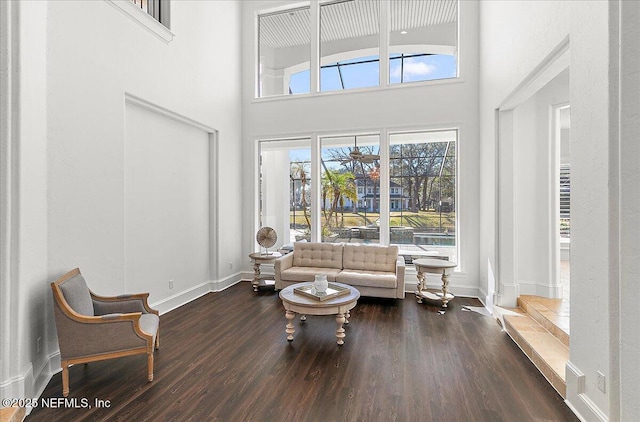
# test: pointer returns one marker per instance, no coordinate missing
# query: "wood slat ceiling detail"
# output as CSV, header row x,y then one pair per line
x,y
352,19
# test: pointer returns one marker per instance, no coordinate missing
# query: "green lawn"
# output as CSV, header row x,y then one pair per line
x,y
421,219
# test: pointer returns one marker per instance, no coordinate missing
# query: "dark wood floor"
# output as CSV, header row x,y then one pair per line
x,y
225,357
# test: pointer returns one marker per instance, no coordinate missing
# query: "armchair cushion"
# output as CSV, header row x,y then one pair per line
x,y
77,295
149,324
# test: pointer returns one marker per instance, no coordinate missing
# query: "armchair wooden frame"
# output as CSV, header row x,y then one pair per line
x,y
99,321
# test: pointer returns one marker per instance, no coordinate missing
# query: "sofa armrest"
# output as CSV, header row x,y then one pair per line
x,y
400,267
281,264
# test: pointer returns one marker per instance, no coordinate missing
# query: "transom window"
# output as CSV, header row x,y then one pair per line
x,y
422,46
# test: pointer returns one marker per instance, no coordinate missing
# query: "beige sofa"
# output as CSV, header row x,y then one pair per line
x,y
374,270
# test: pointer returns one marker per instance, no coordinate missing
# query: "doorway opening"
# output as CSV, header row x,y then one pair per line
x,y
563,177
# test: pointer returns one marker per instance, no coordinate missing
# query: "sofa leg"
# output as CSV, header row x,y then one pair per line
x,y
150,366
65,378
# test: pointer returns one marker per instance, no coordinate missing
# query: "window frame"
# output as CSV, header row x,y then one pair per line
x,y
315,67
385,188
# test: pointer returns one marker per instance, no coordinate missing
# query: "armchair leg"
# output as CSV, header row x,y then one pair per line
x,y
150,366
65,378
158,339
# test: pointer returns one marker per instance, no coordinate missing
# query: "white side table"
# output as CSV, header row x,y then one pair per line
x,y
259,259
434,266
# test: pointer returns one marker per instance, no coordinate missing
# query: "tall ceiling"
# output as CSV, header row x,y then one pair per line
x,y
350,19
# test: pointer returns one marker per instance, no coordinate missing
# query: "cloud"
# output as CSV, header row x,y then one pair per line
x,y
413,68
418,68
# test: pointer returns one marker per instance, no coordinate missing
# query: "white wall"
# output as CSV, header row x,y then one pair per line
x,y
534,30
423,106
166,201
83,185
534,226
628,286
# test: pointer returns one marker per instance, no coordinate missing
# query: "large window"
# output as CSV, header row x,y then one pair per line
x,y
422,199
350,200
412,196
284,52
422,45
285,188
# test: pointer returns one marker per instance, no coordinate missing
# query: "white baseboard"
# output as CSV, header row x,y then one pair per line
x,y
530,287
226,282
172,302
15,387
31,383
577,400
508,295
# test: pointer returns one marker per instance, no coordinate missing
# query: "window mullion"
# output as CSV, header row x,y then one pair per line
x,y
316,188
314,62
385,7
384,187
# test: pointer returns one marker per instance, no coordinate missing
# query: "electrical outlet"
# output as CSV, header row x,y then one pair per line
x,y
171,284
231,265
601,382
38,344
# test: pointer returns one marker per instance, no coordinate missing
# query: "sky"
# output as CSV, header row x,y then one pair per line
x,y
364,75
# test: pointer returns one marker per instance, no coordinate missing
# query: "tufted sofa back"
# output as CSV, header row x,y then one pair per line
x,y
370,258
311,254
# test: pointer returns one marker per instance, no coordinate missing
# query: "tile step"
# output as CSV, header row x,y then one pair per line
x,y
12,414
552,314
545,350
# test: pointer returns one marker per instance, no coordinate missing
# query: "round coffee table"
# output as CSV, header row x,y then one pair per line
x,y
303,305
434,266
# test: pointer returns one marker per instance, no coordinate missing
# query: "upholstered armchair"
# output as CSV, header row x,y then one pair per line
x,y
93,328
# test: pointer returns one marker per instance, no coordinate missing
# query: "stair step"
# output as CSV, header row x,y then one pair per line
x,y
552,314
543,348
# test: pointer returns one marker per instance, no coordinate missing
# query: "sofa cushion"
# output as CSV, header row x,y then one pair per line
x,y
367,278
304,274
320,255
370,258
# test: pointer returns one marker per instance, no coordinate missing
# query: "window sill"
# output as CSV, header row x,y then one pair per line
x,y
141,17
410,85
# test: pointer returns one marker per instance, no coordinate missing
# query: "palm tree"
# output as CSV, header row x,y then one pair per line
x,y
338,186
